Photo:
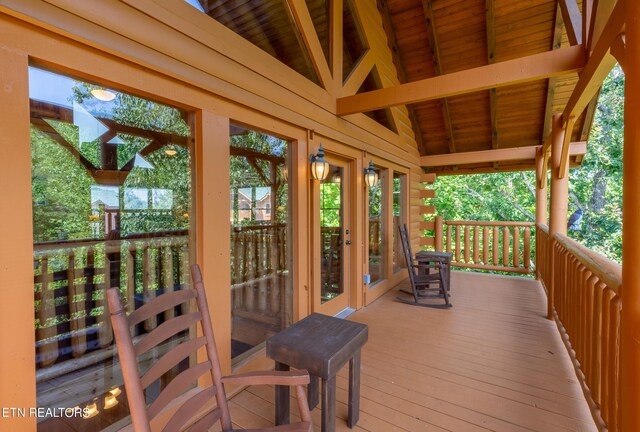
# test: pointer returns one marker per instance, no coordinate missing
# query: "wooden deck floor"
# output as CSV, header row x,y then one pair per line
x,y
492,362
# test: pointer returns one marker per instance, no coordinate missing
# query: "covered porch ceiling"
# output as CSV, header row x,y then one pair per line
x,y
479,78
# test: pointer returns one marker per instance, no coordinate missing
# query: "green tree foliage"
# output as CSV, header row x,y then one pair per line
x,y
62,186
595,187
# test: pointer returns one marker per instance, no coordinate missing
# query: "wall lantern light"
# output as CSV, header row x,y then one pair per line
x,y
370,176
319,166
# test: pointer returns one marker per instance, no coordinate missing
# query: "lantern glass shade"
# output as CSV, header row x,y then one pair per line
x,y
319,166
370,176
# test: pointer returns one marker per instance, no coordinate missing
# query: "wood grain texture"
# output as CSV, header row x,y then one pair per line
x,y
493,362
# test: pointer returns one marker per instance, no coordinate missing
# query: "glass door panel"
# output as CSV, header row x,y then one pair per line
x,y
331,238
332,220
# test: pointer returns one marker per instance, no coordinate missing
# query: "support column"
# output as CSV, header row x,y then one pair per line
x,y
541,189
559,200
630,291
17,367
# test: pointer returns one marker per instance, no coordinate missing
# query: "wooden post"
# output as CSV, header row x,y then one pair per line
x,y
630,292
559,201
17,368
541,189
438,233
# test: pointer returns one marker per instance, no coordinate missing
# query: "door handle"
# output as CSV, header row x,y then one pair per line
x,y
348,242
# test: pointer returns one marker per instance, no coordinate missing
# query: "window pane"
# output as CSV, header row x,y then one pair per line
x,y
331,228
261,262
377,238
399,184
111,188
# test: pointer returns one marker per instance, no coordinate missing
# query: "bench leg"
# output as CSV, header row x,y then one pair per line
x,y
329,405
282,399
354,390
312,392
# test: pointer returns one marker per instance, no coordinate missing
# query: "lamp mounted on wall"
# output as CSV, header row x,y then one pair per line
x,y
370,176
319,166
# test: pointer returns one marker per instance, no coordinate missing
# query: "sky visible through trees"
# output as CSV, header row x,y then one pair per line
x,y
595,188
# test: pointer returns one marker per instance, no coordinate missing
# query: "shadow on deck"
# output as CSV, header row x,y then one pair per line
x,y
492,362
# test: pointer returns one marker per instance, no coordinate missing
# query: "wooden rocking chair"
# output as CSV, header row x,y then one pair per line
x,y
185,416
424,283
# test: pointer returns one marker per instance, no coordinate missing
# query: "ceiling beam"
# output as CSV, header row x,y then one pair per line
x,y
427,7
358,73
587,11
335,11
398,61
299,12
524,69
572,20
497,155
493,93
598,66
601,11
551,85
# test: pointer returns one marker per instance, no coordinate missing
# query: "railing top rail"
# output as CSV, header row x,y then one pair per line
x,y
490,223
608,271
111,243
543,227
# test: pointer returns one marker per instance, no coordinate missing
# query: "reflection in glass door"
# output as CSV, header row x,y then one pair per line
x,y
331,238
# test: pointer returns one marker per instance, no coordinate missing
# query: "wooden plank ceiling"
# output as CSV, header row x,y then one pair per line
x,y
430,38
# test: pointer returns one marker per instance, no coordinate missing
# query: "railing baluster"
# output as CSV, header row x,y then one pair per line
x,y
449,228
167,276
77,311
458,243
148,282
105,334
527,248
131,278
614,378
467,244
46,313
505,246
496,243
516,247
485,245
476,245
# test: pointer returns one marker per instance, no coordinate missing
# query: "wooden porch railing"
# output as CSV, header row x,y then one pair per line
x,y
72,325
73,329
587,307
259,273
495,246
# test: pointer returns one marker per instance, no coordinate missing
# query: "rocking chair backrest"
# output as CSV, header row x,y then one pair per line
x,y
135,382
406,249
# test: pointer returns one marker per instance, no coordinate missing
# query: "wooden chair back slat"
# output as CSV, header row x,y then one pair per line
x,y
206,422
188,409
128,364
212,350
164,302
163,337
177,386
166,330
171,359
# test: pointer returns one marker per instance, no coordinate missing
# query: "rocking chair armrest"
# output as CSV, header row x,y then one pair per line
x,y
290,378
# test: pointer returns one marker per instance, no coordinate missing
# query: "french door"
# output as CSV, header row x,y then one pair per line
x,y
332,216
